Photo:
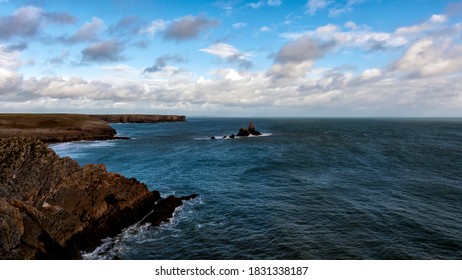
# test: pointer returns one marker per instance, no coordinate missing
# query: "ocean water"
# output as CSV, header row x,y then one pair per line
x,y
306,189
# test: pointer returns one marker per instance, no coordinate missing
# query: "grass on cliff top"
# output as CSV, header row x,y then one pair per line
x,y
31,121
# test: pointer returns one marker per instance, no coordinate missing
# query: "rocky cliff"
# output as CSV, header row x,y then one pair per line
x,y
55,127
51,208
139,118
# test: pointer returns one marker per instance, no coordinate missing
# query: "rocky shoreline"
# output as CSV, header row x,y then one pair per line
x,y
51,208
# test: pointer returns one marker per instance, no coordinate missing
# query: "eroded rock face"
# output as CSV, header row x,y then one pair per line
x,y
51,208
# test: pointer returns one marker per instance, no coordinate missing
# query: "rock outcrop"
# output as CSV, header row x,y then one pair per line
x,y
248,131
51,208
55,127
131,118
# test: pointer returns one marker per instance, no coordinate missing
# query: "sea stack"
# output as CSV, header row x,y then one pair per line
x,y
248,131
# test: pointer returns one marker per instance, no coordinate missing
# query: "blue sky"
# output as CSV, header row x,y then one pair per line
x,y
310,58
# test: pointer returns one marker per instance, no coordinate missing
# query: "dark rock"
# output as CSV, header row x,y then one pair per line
x,y
163,211
51,208
213,137
232,136
189,197
243,132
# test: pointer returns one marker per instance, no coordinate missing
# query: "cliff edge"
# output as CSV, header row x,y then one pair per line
x,y
51,208
136,118
55,127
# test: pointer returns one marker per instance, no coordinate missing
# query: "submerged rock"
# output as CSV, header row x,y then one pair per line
x,y
51,208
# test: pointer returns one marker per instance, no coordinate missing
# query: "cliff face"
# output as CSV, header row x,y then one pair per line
x,y
51,208
139,118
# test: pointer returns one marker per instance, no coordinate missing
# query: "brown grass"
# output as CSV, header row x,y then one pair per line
x,y
34,121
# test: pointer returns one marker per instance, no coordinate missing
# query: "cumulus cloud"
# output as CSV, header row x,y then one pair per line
x,y
188,27
355,37
10,61
373,92
60,59
90,31
162,61
10,58
107,51
296,58
27,21
155,27
432,23
127,26
431,56
230,54
312,6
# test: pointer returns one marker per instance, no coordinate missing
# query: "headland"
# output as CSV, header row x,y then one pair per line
x,y
52,128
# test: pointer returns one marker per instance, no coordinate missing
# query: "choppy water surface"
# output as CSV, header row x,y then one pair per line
x,y
307,189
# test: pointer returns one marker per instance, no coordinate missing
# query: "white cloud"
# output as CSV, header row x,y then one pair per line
x,y
89,31
265,29
239,25
10,59
433,22
312,6
432,56
351,25
256,5
274,2
155,27
225,51
371,74
230,54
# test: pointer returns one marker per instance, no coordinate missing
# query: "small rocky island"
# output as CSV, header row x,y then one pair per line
x,y
243,132
248,131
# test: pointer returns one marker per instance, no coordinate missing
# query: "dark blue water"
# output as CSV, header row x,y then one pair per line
x,y
307,189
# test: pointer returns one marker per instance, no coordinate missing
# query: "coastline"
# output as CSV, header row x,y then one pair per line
x,y
52,207
57,128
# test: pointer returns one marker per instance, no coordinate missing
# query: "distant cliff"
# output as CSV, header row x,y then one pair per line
x,y
139,118
72,127
55,127
51,208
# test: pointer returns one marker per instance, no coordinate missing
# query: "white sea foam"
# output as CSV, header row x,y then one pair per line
x,y
79,148
111,247
226,137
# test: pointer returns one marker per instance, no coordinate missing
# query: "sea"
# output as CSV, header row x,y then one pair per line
x,y
308,188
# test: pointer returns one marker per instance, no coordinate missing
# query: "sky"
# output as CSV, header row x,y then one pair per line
x,y
233,58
